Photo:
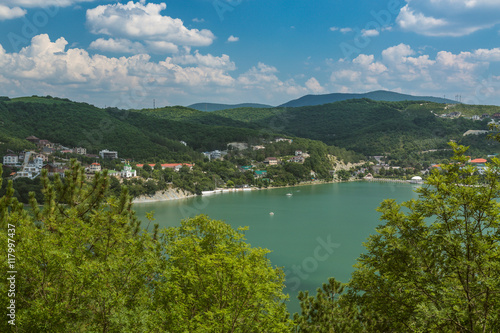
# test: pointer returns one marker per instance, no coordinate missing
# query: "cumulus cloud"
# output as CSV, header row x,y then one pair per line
x,y
117,45
452,18
48,67
7,13
144,23
314,86
232,39
400,68
370,33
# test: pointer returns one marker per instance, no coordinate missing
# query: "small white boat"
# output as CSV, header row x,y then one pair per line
x,y
271,213
289,194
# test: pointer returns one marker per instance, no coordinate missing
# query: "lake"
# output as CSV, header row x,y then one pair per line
x,y
315,233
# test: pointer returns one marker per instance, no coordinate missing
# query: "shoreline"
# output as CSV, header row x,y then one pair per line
x,y
186,195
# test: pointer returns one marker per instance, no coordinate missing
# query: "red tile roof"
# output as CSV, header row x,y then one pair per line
x,y
479,160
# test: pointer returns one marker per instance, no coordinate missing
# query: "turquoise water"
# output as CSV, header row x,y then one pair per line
x,y
314,234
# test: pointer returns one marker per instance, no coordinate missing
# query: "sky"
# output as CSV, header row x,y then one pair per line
x,y
136,54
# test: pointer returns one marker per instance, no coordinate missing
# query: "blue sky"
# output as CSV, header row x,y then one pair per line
x,y
129,53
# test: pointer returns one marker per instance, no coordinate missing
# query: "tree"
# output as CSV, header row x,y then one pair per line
x,y
215,282
84,264
434,265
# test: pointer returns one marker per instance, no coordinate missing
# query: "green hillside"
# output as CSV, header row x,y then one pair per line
x,y
133,134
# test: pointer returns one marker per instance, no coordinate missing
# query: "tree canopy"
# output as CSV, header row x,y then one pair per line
x,y
85,264
433,266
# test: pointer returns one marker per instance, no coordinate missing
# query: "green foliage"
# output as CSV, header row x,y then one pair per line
x,y
215,282
85,265
433,265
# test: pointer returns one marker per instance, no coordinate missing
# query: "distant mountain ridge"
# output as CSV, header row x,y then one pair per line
x,y
379,95
216,107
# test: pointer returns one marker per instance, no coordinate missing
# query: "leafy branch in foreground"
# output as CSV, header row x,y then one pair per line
x,y
434,265
85,265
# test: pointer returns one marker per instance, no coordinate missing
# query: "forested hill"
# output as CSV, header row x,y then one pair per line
x,y
134,134
365,126
379,95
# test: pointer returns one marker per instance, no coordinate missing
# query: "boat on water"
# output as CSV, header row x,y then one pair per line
x,y
289,194
271,213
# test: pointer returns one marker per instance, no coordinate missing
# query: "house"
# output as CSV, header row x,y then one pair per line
x,y
283,140
128,172
47,150
496,116
30,170
271,161
298,152
42,156
297,159
480,165
176,166
215,155
245,168
260,173
475,117
108,154
80,151
238,145
33,139
94,167
53,169
258,147
11,159
43,143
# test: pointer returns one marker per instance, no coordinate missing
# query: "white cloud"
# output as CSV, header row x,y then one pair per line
x,y
345,30
232,39
48,67
370,33
117,45
208,60
452,18
144,23
7,13
398,68
334,28
314,86
198,20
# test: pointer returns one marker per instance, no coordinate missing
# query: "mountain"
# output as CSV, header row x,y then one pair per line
x,y
216,107
134,134
379,95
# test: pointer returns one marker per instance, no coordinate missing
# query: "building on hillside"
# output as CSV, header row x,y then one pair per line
x,y
283,140
80,151
260,173
33,139
128,172
297,159
238,145
53,169
475,117
298,152
271,161
258,147
43,143
94,167
108,154
176,166
43,157
11,160
31,167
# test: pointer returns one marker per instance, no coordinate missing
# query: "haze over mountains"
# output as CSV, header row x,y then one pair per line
x,y
310,100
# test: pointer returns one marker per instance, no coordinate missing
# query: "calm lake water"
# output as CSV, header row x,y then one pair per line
x,y
316,233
